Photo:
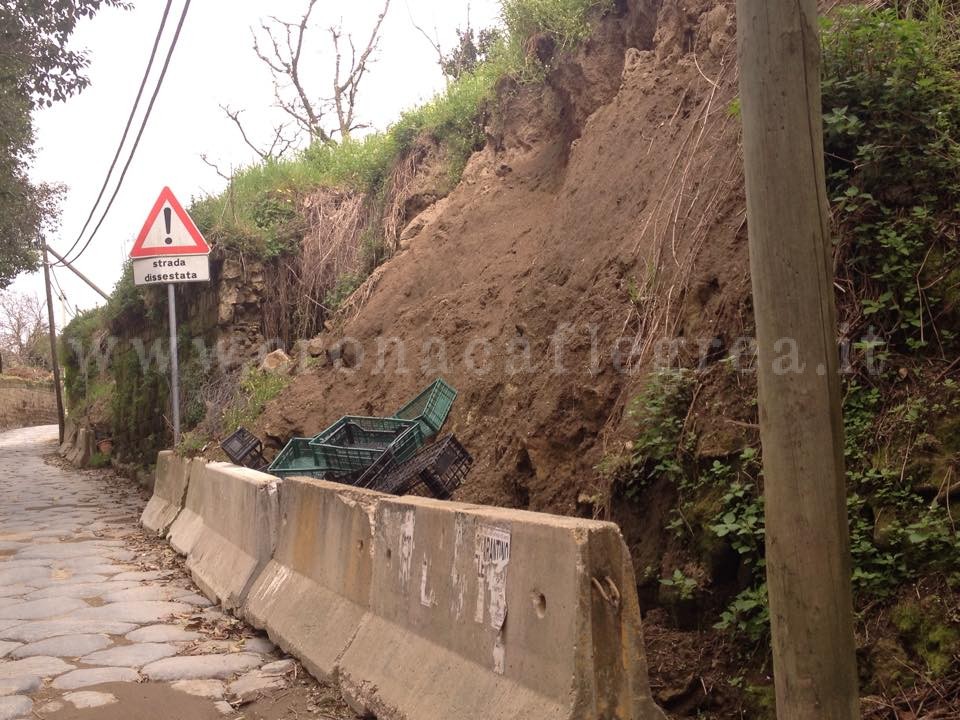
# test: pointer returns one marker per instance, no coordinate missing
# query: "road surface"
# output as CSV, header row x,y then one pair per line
x,y
99,620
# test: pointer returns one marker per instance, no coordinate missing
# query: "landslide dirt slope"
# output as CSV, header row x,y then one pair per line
x,y
607,204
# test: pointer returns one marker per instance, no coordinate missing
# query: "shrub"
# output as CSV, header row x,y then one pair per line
x,y
891,100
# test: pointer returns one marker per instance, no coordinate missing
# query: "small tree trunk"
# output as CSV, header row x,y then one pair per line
x,y
808,546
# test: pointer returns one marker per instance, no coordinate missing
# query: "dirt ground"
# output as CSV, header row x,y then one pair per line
x,y
532,288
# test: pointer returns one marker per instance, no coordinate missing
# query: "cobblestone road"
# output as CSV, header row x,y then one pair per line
x,y
97,620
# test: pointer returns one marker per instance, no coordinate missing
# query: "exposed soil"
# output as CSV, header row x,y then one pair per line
x,y
604,214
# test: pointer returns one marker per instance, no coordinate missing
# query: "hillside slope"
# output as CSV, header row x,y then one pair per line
x,y
604,214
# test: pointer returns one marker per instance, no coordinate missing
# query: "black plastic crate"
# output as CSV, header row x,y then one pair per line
x,y
244,448
436,471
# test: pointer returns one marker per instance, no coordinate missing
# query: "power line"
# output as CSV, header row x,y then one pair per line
x,y
126,130
62,295
143,126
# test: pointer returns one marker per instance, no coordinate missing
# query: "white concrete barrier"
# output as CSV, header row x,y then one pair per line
x,y
315,592
479,613
227,529
425,610
169,491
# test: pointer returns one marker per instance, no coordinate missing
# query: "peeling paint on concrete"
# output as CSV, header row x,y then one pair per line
x,y
457,581
427,598
499,655
406,547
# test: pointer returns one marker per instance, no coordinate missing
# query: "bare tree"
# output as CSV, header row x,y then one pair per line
x,y
345,86
281,141
23,329
280,46
470,50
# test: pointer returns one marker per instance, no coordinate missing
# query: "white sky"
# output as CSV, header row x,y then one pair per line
x,y
214,64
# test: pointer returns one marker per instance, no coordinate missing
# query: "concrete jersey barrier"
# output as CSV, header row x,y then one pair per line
x,y
479,613
420,609
315,592
169,491
227,530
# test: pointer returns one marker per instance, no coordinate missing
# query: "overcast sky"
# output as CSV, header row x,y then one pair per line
x,y
214,64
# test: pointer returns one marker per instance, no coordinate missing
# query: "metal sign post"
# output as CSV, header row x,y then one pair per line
x,y
170,250
174,363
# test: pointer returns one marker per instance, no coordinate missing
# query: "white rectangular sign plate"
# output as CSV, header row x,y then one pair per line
x,y
171,269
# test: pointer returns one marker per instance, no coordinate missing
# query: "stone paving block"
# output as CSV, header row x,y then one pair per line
x,y
131,656
64,578
162,634
35,631
17,590
142,593
41,609
85,700
20,685
134,612
87,590
66,646
201,667
42,665
96,676
23,575
15,706
213,689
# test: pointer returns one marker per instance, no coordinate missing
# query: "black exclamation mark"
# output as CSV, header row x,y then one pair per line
x,y
168,218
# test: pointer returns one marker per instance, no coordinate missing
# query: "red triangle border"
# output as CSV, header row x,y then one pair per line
x,y
167,196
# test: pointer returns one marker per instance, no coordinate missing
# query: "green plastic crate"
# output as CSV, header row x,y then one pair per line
x,y
298,458
430,408
353,444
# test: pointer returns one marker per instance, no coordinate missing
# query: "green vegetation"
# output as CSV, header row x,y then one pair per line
x,y
98,461
192,444
37,69
257,388
79,363
891,96
138,408
660,415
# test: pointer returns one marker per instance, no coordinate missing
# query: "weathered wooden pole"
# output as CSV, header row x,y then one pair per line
x,y
54,358
808,544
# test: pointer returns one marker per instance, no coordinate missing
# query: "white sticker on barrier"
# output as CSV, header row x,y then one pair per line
x,y
493,557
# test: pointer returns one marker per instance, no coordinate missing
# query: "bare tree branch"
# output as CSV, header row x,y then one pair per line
x,y
207,161
280,145
346,87
280,45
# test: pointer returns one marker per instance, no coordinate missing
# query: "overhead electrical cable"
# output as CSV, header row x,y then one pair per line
x,y
126,130
143,126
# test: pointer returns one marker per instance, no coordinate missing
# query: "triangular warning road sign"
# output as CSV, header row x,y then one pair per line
x,y
169,230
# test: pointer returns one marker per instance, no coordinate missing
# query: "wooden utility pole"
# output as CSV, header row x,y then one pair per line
x,y
79,274
808,544
54,359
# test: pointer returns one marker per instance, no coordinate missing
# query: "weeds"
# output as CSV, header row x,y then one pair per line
x,y
891,99
257,388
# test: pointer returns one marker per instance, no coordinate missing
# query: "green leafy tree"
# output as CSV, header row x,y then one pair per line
x,y
37,69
